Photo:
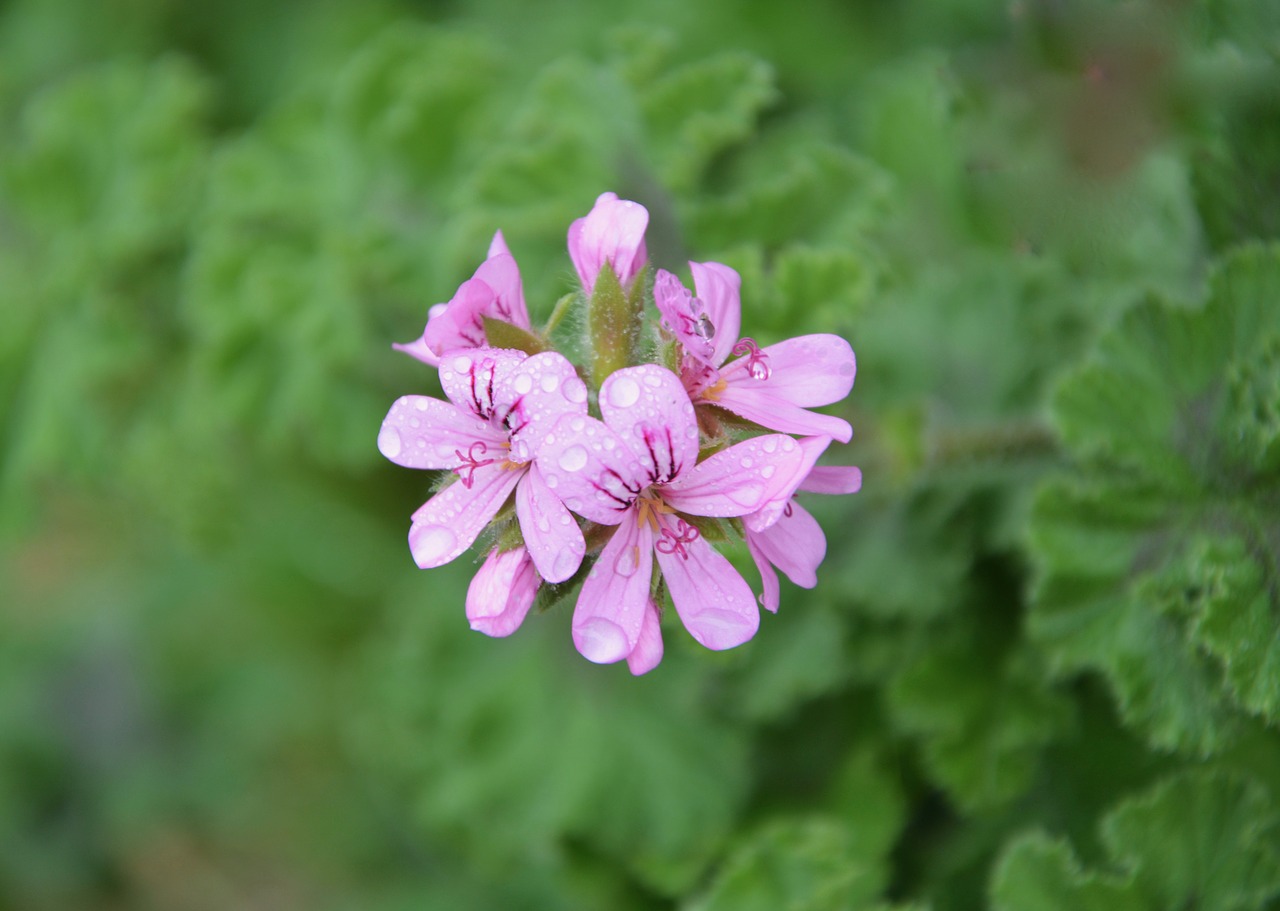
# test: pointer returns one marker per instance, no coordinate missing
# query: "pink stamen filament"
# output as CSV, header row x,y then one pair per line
x,y
470,462
757,360
674,542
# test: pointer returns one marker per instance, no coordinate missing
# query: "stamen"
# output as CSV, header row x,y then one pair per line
x,y
674,542
470,462
757,360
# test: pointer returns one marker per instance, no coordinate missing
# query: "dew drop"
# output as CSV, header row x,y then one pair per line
x,y
703,328
388,442
564,563
522,384
747,463
432,542
759,370
520,451
553,481
623,392
575,390
627,562
422,404
414,422
770,444
651,379
577,424
549,382
573,458
565,519
462,363
767,471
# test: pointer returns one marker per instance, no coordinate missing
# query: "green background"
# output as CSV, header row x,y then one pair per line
x,y
1041,669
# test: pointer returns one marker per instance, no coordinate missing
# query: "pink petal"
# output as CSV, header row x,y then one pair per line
x,y
498,246
501,274
757,404
461,324
534,395
714,602
680,315
648,651
648,407
610,615
472,378
612,232
449,522
784,486
795,544
422,432
501,593
771,595
833,479
808,371
418,347
552,537
718,288
591,469
737,480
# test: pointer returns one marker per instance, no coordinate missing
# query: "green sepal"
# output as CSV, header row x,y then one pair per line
x,y
613,324
502,334
558,313
713,531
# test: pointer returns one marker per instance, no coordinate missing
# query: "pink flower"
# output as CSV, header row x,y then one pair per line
x,y
501,403
774,386
502,592
613,233
783,533
638,470
494,291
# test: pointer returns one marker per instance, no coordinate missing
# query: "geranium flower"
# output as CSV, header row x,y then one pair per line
x,y
612,232
784,534
501,404
637,470
773,386
494,291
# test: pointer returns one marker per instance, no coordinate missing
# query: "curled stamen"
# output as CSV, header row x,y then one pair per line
x,y
786,510
757,360
470,462
674,542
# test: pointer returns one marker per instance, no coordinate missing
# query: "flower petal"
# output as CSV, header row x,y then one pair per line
x,y
771,595
473,377
718,288
755,403
808,371
737,480
418,348
461,324
502,592
714,602
553,538
422,432
610,614
648,651
648,407
782,486
534,395
498,246
502,275
590,468
833,479
795,544
449,522
612,232
680,312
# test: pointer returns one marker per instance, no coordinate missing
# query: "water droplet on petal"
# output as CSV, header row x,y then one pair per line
x,y
549,382
553,481
770,444
703,328
414,422
388,442
577,424
575,390
520,451
747,463
651,379
573,458
759,370
522,383
623,392
421,403
627,562
564,519
430,543
462,363
564,563
768,471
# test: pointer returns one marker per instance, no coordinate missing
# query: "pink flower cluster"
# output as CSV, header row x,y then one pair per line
x,y
618,486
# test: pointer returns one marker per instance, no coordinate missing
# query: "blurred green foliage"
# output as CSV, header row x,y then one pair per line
x,y
1040,669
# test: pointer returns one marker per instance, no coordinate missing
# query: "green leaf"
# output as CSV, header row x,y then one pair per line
x,y
1202,839
1173,434
1039,873
805,864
